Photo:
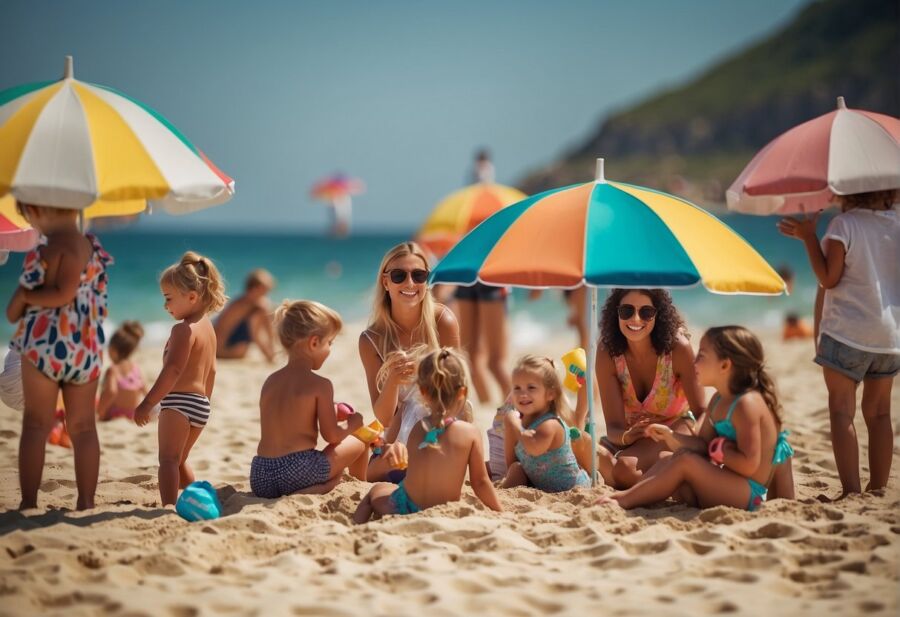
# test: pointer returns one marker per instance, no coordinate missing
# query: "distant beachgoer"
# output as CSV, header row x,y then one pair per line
x,y
123,385
857,324
296,404
60,306
483,171
443,446
645,372
404,317
192,289
787,275
538,443
741,434
795,327
246,320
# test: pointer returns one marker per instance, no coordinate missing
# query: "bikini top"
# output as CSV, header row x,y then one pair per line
x,y
432,434
666,396
725,428
132,381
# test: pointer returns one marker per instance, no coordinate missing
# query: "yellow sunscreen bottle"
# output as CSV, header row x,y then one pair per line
x,y
575,363
368,434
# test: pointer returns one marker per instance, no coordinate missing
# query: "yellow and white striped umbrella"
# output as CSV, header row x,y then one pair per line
x,y
71,144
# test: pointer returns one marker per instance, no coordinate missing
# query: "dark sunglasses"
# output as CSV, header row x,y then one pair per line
x,y
398,275
626,311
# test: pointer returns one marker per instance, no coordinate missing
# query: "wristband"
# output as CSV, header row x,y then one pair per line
x,y
717,450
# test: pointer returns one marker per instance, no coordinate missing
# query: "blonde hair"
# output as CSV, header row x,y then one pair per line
x,y
748,371
383,324
873,200
442,375
126,338
198,274
545,369
414,353
299,319
258,277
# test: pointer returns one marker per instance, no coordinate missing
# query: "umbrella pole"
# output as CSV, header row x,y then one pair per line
x,y
592,375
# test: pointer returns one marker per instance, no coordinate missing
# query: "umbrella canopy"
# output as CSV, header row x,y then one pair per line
x,y
842,152
15,233
72,144
337,187
607,234
461,212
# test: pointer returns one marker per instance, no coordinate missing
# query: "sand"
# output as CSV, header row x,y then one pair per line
x,y
547,554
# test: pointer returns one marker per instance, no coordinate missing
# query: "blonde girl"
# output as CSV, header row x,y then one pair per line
x,y
442,446
537,444
192,289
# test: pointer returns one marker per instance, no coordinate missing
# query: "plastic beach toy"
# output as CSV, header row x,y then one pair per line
x,y
198,502
343,411
368,434
575,363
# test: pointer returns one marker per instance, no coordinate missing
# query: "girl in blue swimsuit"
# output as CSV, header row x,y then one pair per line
x,y
537,443
741,442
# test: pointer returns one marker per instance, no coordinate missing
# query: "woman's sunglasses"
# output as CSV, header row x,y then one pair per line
x,y
398,275
626,311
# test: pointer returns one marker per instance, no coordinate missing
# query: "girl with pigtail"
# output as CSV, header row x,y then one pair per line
x,y
441,446
741,435
192,289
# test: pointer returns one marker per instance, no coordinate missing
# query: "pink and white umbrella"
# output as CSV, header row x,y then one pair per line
x,y
842,152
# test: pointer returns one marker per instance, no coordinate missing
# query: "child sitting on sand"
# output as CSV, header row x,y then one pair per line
x,y
538,444
192,289
741,433
441,447
296,404
247,320
123,385
60,305
857,324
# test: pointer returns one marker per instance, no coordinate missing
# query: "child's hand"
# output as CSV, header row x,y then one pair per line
x,y
397,456
354,422
802,229
512,419
142,414
658,432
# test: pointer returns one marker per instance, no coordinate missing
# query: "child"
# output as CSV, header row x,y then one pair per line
x,y
859,325
296,404
440,447
192,289
741,433
60,305
247,320
541,454
123,385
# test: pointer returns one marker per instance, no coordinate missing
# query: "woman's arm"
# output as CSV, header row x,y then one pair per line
x,y
448,327
384,403
611,400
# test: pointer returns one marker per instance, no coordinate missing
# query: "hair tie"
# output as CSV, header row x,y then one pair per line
x,y
445,353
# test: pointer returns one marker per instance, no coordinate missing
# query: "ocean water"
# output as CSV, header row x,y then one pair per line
x,y
341,273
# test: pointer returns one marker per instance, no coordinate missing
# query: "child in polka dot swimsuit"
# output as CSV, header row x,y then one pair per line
x,y
60,305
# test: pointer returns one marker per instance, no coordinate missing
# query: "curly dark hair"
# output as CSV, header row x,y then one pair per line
x,y
665,330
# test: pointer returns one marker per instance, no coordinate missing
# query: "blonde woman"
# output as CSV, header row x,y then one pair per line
x,y
404,317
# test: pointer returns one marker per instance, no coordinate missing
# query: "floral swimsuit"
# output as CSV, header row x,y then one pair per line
x,y
666,402
65,343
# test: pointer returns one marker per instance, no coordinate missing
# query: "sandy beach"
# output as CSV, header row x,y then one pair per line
x,y
547,554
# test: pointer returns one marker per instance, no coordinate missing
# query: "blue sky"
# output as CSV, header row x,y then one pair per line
x,y
400,94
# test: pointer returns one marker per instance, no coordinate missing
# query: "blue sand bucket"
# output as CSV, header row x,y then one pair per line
x,y
198,502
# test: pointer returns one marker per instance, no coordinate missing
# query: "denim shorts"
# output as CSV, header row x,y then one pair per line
x,y
855,363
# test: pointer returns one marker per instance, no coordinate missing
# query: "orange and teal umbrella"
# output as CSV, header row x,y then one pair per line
x,y
461,212
76,145
607,234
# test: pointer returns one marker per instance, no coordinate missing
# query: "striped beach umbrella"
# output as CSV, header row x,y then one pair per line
x,y
607,234
461,212
337,187
15,233
77,145
842,152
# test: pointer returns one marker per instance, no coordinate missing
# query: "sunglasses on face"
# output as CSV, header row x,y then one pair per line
x,y
646,313
398,275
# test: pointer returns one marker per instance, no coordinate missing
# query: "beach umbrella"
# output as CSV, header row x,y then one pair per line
x,y
462,211
15,233
842,152
77,145
337,186
607,234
